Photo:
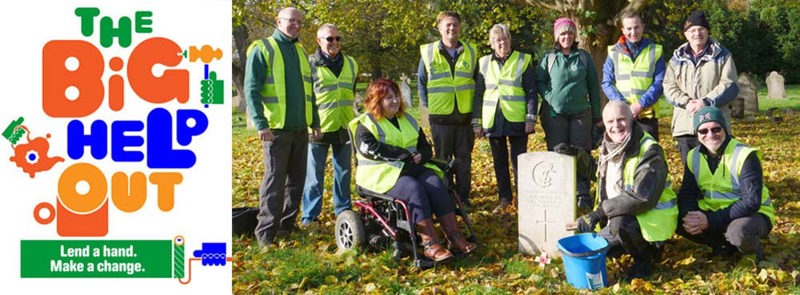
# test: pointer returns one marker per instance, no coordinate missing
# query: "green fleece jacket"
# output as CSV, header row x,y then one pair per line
x,y
255,73
569,87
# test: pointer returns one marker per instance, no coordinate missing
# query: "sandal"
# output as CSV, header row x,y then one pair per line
x,y
434,251
464,246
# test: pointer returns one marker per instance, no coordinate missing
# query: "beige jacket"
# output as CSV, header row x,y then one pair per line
x,y
712,79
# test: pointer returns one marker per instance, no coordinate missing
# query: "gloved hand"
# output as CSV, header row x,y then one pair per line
x,y
587,222
566,149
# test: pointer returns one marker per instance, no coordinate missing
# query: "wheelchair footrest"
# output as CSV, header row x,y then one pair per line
x,y
404,225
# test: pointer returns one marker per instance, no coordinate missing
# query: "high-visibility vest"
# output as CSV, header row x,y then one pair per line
x,y
504,87
633,78
445,87
273,91
334,94
381,176
660,222
722,188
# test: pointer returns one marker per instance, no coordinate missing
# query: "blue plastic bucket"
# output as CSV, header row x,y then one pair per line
x,y
584,257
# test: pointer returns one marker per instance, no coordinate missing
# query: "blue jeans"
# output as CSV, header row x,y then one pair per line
x,y
315,178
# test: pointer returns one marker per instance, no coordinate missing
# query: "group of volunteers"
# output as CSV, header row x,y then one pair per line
x,y
302,106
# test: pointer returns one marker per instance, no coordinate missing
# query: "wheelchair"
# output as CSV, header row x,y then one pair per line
x,y
380,220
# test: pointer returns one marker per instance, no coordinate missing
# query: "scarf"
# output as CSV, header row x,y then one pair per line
x,y
611,151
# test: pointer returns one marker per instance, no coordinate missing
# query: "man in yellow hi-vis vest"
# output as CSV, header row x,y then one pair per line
x,y
334,89
634,193
634,71
723,201
278,93
446,84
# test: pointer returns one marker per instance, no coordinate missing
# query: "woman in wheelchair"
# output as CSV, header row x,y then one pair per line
x,y
393,155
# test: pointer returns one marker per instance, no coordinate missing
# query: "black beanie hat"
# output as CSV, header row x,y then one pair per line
x,y
697,18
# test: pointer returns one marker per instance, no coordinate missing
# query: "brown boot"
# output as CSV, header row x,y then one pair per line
x,y
453,234
432,249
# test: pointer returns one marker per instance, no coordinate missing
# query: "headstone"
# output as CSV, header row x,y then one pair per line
x,y
240,103
546,203
405,90
241,108
746,102
749,91
775,87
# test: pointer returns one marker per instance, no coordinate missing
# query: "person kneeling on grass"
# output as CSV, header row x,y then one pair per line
x,y
636,204
393,155
723,201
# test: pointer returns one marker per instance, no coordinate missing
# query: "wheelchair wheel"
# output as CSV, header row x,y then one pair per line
x,y
350,233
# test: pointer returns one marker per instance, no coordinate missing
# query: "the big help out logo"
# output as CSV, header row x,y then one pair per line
x,y
122,161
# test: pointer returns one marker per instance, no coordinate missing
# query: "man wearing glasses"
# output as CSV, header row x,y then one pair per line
x,y
723,202
700,73
334,77
278,90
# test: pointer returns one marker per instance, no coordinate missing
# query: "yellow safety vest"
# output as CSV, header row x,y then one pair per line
x,y
633,78
273,92
721,189
381,176
444,87
504,86
660,222
334,94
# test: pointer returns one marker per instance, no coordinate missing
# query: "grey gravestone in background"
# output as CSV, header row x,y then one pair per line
x,y
240,103
746,102
775,87
241,107
405,91
546,200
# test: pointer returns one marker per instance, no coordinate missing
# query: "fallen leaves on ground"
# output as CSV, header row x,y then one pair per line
x,y
308,262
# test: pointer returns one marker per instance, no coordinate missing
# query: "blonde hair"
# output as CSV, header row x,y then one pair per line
x,y
499,29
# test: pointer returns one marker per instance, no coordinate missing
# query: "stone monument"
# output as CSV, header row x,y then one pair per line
x,y
746,102
775,87
546,201
405,90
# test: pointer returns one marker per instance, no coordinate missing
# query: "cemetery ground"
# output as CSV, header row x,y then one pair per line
x,y
307,261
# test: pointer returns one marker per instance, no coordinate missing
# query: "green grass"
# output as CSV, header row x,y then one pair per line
x,y
792,101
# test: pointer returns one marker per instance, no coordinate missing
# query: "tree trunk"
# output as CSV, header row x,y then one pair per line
x,y
240,38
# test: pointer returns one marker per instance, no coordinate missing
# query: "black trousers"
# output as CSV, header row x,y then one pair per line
x,y
744,233
574,130
624,235
456,141
500,158
685,144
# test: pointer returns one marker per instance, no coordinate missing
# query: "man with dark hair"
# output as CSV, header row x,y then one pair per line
x,y
634,71
446,84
